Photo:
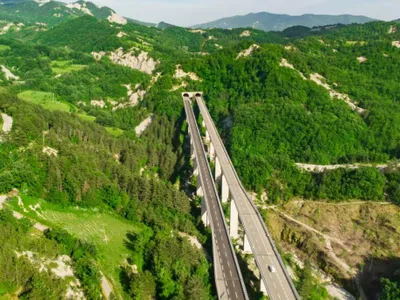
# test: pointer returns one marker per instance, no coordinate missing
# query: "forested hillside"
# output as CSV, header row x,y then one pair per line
x,y
93,155
283,115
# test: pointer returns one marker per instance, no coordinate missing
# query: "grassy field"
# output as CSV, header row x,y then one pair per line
x,y
115,131
65,66
44,99
107,231
352,43
87,117
4,48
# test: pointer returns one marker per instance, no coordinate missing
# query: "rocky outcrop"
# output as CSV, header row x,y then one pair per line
x,y
396,44
248,52
320,80
180,73
99,103
143,126
134,97
245,33
82,7
8,74
362,59
285,64
7,123
98,56
142,62
115,18
121,34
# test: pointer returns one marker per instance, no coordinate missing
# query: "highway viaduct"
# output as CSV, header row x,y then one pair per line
x,y
257,240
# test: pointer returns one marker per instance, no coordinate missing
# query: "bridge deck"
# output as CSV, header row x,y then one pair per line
x,y
227,272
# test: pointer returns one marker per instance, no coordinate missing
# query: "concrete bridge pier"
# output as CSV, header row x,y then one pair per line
x,y
211,152
234,221
192,154
199,191
208,139
204,213
218,170
195,168
246,245
263,289
224,190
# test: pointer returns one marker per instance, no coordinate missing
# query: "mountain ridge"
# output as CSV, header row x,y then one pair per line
x,y
51,12
277,22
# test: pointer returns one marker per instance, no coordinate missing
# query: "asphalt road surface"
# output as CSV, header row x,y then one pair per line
x,y
227,270
278,284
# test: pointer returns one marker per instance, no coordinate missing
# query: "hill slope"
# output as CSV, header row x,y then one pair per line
x,y
53,12
276,22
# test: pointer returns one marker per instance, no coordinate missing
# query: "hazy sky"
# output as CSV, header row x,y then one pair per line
x,y
191,12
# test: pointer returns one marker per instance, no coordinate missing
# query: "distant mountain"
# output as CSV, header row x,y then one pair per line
x,y
276,22
51,13
163,25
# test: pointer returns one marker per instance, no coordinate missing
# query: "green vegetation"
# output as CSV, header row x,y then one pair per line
x,y
4,48
280,118
114,201
107,232
44,99
391,290
115,131
20,276
62,67
101,174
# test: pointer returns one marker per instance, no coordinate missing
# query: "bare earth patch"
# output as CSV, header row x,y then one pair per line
x,y
142,62
8,74
284,63
143,126
7,123
248,52
320,80
180,73
362,59
98,56
323,168
245,33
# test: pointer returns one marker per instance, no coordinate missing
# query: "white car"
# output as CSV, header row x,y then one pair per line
x,y
272,269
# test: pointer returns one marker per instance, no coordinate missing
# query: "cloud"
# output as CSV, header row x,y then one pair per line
x,y
190,12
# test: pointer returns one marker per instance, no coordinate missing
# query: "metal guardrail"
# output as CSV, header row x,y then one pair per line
x,y
199,99
220,209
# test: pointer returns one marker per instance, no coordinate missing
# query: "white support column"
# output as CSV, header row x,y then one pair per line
x,y
224,190
204,213
234,221
195,167
246,245
203,123
263,289
199,191
211,152
218,170
207,137
192,154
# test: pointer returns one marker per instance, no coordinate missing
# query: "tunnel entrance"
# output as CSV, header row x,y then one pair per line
x,y
198,95
186,95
